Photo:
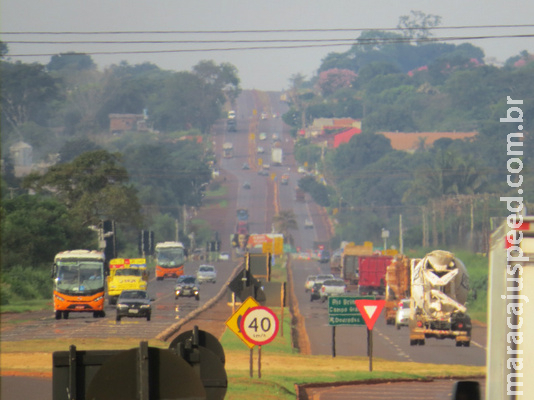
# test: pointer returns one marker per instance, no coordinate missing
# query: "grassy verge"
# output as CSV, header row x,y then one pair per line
x,y
282,368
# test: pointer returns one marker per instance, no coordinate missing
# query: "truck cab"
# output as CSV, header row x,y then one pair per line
x,y
126,274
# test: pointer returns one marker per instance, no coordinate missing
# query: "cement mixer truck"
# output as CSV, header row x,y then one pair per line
x,y
439,289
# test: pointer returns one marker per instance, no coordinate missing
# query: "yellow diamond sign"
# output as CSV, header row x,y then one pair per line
x,y
234,321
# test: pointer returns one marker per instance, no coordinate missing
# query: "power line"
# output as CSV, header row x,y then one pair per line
x,y
349,42
259,30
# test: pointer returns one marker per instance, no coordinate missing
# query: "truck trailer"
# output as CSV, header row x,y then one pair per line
x,y
276,156
398,285
350,261
372,271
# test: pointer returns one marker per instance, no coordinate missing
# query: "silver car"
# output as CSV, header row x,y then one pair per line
x,y
402,318
206,273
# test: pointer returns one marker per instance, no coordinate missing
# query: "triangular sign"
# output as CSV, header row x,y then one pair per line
x,y
370,310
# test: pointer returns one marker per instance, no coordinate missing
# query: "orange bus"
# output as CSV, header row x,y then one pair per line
x,y
170,259
78,283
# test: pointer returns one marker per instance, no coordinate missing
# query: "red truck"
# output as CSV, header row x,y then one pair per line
x,y
372,271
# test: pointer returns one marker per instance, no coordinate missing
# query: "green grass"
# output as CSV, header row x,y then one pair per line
x,y
219,192
27,306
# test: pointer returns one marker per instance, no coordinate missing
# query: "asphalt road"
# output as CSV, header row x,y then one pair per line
x,y
388,342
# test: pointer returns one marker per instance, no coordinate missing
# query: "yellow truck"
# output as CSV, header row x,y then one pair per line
x,y
126,274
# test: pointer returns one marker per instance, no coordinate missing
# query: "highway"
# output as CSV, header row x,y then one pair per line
x,y
265,197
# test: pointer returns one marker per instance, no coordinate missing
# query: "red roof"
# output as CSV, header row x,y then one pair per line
x,y
344,137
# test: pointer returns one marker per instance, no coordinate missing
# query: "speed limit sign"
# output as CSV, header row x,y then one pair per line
x,y
259,325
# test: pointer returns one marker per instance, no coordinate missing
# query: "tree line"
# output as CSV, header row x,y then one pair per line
x,y
448,193
140,180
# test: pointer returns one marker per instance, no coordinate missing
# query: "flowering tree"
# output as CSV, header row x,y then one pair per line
x,y
334,79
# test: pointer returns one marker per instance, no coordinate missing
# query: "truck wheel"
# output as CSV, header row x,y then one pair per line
x,y
118,319
148,317
58,314
467,343
65,315
159,278
197,297
413,342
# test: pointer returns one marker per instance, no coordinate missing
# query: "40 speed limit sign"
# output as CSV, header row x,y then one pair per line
x,y
259,325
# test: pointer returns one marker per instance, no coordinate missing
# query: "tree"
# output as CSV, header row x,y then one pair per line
x,y
35,228
222,78
93,187
335,79
73,148
168,176
27,92
418,24
72,61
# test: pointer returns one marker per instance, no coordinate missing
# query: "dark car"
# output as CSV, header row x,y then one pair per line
x,y
134,303
316,291
187,286
324,256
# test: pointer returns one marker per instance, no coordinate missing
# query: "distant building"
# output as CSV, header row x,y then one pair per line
x,y
326,126
412,141
119,123
22,156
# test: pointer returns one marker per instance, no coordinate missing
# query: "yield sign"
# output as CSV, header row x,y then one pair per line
x,y
370,310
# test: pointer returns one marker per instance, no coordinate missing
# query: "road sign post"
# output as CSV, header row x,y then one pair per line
x,y
259,325
342,310
370,311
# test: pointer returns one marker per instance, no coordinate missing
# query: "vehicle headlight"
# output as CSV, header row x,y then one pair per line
x,y
59,298
145,305
98,298
121,306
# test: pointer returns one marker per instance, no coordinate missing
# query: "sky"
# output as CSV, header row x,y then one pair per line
x,y
262,69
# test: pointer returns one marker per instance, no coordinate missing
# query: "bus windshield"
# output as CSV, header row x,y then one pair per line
x,y
170,257
79,277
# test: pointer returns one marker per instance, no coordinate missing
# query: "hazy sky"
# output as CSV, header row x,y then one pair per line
x,y
265,69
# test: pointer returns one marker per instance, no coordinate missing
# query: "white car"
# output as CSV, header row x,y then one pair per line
x,y
323,277
206,273
333,287
224,257
310,281
260,150
263,136
402,318
308,224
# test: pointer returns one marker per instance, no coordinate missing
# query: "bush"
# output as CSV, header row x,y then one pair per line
x,y
25,283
